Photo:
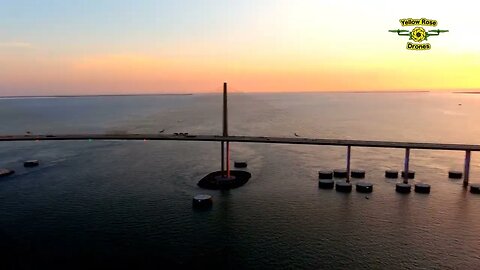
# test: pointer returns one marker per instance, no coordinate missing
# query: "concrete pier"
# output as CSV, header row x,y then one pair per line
x,y
6,172
364,187
357,173
349,155
325,174
422,188
202,201
343,186
392,174
455,174
403,188
326,183
240,164
340,173
31,163
475,188
466,170
406,176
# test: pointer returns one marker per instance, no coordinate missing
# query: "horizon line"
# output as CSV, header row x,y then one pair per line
x,y
458,91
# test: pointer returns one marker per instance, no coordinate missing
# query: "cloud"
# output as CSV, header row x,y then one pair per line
x,y
15,45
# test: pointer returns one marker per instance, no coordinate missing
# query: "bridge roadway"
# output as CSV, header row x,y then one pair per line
x,y
242,139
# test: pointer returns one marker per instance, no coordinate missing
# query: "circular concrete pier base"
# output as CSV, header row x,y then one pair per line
x,y
357,173
240,164
202,201
31,163
325,175
6,172
455,174
403,188
340,173
422,188
364,187
393,174
475,188
326,183
343,186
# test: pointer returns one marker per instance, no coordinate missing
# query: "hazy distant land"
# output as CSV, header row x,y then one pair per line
x,y
472,92
235,92
106,95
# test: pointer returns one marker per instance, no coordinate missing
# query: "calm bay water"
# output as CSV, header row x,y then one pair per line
x,y
128,204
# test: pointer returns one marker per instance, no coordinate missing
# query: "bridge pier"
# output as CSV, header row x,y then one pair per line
x,y
228,160
349,150
223,155
466,168
406,165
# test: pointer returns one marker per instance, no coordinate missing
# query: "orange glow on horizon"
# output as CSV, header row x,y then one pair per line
x,y
114,74
257,46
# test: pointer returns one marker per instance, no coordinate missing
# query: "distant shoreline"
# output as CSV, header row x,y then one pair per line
x,y
473,92
81,96
240,92
339,92
379,92
235,92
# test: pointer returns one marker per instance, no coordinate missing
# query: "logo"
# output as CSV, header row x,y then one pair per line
x,y
418,34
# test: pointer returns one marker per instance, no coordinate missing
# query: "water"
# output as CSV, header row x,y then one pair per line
x,y
128,204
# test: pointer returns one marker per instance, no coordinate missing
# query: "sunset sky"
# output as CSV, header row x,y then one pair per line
x,y
53,47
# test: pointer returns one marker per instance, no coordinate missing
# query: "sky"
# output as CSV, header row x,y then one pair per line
x,y
58,47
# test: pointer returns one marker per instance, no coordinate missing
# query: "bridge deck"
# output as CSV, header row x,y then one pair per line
x,y
243,139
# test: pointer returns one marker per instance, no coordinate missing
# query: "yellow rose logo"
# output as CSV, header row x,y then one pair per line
x,y
418,34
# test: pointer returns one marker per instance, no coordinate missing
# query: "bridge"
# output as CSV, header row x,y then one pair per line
x,y
243,139
225,141
467,148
